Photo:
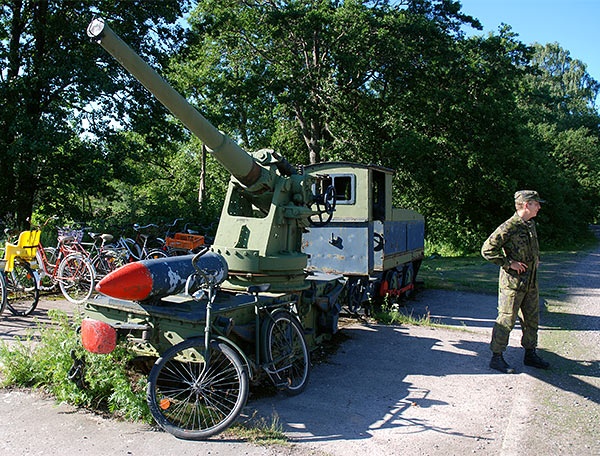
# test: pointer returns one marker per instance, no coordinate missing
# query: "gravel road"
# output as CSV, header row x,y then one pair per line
x,y
388,390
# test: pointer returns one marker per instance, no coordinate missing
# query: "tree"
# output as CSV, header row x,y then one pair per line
x,y
559,97
160,182
565,79
272,63
55,85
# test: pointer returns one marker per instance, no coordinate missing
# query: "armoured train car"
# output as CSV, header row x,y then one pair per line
x,y
378,248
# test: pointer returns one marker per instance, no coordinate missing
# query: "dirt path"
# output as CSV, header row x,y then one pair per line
x,y
568,396
389,390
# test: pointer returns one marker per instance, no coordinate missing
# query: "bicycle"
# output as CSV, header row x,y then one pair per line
x,y
132,250
103,258
146,252
68,266
170,230
2,293
198,387
19,283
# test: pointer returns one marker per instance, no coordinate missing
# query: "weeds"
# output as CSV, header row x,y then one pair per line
x,y
260,431
44,362
391,314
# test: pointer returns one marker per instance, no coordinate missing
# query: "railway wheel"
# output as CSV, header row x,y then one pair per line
x,y
285,352
194,399
408,279
356,292
394,280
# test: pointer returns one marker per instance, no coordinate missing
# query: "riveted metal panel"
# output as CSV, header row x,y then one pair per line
x,y
339,248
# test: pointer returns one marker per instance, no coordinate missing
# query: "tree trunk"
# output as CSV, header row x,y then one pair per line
x,y
202,184
26,168
312,137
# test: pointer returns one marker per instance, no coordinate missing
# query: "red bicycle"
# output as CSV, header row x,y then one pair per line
x,y
67,266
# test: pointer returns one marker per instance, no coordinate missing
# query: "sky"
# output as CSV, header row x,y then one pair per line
x,y
574,24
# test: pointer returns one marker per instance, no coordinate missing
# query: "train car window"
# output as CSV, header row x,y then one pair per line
x,y
378,199
345,187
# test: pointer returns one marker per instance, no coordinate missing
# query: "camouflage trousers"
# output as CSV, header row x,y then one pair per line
x,y
512,303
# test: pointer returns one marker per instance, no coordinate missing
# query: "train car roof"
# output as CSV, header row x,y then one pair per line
x,y
325,165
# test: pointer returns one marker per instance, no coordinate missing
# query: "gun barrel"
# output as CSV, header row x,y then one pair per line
x,y
238,162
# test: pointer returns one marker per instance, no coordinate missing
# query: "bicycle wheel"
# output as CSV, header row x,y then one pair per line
x,y
22,293
156,254
285,352
106,262
135,251
120,254
192,399
76,278
2,292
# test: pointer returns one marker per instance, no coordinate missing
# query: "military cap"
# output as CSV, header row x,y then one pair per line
x,y
523,196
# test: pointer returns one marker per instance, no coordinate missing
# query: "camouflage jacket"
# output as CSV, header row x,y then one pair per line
x,y
514,240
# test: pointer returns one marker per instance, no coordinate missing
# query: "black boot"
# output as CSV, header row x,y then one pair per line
x,y
532,359
499,364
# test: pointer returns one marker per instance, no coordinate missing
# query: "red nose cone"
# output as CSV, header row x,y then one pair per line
x,y
131,282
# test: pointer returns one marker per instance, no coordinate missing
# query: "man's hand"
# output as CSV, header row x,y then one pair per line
x,y
518,266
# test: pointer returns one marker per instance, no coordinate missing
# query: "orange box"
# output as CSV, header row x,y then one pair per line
x,y
185,241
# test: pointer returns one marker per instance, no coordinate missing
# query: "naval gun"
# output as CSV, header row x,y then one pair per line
x,y
270,288
268,204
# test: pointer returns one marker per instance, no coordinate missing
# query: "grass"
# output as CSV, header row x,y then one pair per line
x,y
473,273
468,273
392,315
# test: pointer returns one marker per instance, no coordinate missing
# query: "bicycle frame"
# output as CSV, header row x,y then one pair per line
x,y
209,330
62,252
64,249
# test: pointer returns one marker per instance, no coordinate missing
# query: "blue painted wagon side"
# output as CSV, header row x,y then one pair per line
x,y
363,248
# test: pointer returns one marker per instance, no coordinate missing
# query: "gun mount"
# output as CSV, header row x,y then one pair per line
x,y
268,204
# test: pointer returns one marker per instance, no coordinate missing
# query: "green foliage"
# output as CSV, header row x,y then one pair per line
x,y
45,363
357,81
49,87
160,183
313,63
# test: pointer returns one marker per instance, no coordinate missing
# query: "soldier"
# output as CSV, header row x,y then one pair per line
x,y
514,247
